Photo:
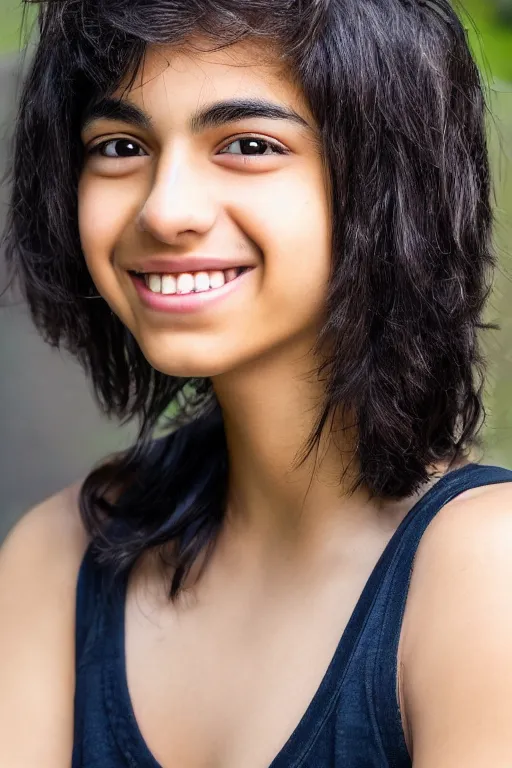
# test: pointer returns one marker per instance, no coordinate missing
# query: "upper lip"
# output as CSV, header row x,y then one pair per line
x,y
187,264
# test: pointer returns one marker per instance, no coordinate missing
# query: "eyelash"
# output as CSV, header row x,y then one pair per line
x,y
278,149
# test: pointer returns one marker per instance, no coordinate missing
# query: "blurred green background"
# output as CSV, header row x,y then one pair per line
x,y
489,27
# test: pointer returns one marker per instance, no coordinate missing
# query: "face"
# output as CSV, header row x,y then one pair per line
x,y
209,163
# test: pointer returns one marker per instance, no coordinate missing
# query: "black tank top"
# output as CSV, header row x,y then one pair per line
x,y
353,720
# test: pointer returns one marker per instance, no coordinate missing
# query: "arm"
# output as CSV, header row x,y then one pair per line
x,y
457,636
39,564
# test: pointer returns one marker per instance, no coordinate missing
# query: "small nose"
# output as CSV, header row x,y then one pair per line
x,y
179,203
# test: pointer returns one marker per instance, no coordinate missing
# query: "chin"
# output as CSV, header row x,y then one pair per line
x,y
191,357
190,368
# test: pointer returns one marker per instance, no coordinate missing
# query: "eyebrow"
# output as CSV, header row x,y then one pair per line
x,y
216,115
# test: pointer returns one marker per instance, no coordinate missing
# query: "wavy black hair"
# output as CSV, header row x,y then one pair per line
x,y
400,107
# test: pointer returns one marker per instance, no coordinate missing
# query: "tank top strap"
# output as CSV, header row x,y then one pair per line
x,y
87,604
394,591
88,600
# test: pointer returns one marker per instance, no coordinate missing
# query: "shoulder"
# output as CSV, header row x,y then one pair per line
x,y
49,540
39,564
456,643
57,515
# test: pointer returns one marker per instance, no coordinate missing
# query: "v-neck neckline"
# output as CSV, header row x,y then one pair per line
x,y
117,696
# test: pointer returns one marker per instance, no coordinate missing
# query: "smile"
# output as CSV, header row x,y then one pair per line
x,y
187,282
187,292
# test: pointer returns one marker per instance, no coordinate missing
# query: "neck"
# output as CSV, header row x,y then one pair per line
x,y
276,508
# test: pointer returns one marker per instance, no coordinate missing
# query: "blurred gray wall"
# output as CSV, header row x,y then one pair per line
x,y
51,432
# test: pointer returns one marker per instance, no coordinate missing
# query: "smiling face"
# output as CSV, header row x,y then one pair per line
x,y
210,156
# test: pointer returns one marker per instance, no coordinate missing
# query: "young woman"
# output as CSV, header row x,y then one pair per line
x,y
263,227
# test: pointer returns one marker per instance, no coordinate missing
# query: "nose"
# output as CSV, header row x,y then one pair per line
x,y
179,204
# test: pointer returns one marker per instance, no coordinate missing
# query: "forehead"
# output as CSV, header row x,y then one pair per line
x,y
183,79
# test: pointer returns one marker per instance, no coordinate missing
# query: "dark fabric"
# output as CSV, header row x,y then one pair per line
x,y
353,721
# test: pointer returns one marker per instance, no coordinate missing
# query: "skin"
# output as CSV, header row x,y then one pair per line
x,y
183,196
301,549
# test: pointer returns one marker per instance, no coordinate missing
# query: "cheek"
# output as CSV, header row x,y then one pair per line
x,y
105,212
290,221
105,208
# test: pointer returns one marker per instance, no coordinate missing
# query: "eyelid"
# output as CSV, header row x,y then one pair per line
x,y
102,143
279,146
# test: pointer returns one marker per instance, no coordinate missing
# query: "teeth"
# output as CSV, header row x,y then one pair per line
x,y
188,282
155,283
185,283
201,281
168,284
231,274
217,279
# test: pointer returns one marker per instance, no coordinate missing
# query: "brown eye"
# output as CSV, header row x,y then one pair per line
x,y
252,146
118,148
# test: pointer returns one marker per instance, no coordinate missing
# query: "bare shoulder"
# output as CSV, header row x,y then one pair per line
x,y
455,659
57,516
39,563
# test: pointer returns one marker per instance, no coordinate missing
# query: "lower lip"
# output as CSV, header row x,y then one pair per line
x,y
187,302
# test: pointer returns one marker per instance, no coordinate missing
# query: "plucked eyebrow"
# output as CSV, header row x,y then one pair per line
x,y
216,115
242,109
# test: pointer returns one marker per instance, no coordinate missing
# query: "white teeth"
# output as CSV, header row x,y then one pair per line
x,y
202,281
155,283
217,279
188,283
185,283
168,284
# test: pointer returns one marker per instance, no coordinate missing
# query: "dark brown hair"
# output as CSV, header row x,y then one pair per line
x,y
399,104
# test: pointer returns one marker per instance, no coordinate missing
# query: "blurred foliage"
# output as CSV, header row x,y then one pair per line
x,y
489,27
504,11
498,345
10,17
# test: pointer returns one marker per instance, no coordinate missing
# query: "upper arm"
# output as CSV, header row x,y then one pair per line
x,y
39,563
457,642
